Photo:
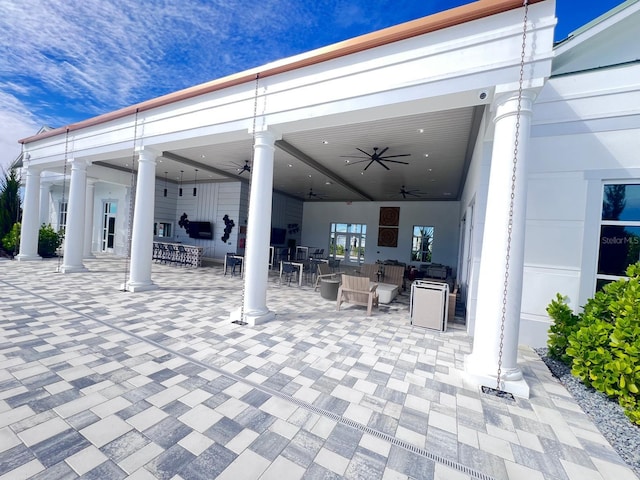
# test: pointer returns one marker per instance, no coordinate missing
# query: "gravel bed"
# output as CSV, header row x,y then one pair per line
x,y
606,414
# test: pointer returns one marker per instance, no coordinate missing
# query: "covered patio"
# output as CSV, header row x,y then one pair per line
x,y
433,106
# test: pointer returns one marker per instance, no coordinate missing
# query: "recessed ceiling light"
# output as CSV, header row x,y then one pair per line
x,y
309,175
290,166
328,183
325,142
203,156
421,130
430,170
426,154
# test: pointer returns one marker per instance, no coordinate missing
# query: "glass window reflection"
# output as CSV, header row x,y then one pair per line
x,y
621,202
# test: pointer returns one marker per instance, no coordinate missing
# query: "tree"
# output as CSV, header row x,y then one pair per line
x,y
10,209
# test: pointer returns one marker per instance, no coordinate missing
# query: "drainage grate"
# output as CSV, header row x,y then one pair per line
x,y
275,393
498,393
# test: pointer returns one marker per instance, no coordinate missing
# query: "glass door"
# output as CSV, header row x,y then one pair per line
x,y
109,226
348,242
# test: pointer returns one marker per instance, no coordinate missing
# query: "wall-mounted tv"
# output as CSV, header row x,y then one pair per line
x,y
278,236
201,230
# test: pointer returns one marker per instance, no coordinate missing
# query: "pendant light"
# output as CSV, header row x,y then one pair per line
x,y
180,189
195,183
165,183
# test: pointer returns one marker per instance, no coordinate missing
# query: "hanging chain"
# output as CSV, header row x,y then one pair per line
x,y
132,198
61,231
513,193
253,153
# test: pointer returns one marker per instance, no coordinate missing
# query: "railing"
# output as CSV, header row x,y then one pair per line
x,y
177,254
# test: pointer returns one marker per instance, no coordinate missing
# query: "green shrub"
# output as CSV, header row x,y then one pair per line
x,y
11,240
48,241
603,342
565,323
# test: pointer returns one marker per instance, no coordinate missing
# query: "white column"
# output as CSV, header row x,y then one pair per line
x,y
74,230
142,232
30,215
45,190
88,219
256,260
482,364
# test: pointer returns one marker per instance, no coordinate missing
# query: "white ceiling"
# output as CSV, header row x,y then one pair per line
x,y
438,145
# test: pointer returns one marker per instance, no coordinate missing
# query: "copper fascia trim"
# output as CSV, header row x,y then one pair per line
x,y
438,21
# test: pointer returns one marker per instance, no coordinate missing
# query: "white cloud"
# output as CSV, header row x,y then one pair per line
x,y
15,123
71,60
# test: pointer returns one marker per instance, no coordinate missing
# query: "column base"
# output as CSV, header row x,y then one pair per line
x,y
23,257
512,381
138,287
91,256
72,269
252,319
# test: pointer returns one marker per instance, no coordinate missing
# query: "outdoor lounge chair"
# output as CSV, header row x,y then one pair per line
x,y
324,271
359,291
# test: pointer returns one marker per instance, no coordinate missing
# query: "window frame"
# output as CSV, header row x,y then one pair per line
x,y
418,254
603,278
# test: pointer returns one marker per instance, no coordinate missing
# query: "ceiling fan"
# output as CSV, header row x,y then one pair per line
x,y
244,168
376,156
412,193
318,196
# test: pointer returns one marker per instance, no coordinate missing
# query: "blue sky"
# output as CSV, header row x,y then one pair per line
x,y
65,61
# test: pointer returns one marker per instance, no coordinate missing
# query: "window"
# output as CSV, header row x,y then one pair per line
x,y
62,219
422,244
619,231
162,229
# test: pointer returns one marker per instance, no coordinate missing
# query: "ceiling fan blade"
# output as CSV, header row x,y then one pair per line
x,y
360,161
360,150
353,156
368,165
383,164
395,156
392,161
382,152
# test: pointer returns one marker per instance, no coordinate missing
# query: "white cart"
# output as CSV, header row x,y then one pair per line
x,y
429,306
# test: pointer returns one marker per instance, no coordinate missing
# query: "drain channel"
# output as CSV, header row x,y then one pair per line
x,y
275,393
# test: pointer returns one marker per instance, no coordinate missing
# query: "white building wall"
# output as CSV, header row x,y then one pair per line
x,y
586,133
318,217
212,202
473,209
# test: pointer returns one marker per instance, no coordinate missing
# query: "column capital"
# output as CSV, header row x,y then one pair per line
x,y
506,104
78,163
147,154
266,137
29,170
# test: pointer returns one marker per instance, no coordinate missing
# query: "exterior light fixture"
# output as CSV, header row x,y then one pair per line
x,y
180,189
165,183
